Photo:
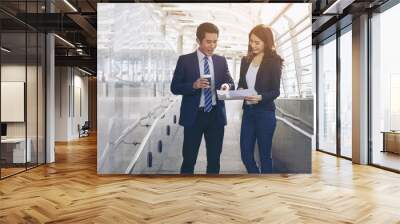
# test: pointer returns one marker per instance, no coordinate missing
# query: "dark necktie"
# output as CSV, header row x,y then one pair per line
x,y
207,92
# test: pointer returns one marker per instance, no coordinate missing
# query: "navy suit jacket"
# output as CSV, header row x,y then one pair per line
x,y
187,71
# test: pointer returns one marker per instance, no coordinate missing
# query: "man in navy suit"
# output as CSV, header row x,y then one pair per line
x,y
201,111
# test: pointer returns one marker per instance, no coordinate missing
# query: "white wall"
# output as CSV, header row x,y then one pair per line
x,y
80,83
70,83
16,73
61,103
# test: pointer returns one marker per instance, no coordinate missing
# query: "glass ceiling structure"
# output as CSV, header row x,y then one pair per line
x,y
141,42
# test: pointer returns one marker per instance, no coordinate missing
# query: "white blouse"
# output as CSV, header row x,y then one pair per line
x,y
251,76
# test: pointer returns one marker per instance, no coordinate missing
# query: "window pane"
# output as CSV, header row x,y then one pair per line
x,y
13,87
31,101
327,97
385,86
345,94
41,98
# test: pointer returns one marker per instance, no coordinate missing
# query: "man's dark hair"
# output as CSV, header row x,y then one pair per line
x,y
204,28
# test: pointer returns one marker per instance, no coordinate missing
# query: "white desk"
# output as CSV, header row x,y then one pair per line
x,y
18,150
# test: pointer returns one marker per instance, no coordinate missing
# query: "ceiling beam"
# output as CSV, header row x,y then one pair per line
x,y
82,61
86,26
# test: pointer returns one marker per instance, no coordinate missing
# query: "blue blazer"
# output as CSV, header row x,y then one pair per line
x,y
187,71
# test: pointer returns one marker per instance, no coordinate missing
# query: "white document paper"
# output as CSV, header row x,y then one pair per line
x,y
235,94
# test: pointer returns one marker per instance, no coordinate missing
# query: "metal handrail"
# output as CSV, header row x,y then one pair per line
x,y
285,114
295,127
125,132
145,140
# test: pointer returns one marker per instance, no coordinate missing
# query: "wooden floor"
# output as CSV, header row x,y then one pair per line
x,y
10,171
70,191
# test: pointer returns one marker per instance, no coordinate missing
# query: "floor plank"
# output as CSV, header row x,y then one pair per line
x,y
70,191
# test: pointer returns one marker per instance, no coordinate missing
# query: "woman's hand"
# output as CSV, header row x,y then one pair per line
x,y
254,99
225,87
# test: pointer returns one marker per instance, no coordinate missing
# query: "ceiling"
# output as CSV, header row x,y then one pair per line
x,y
76,22
162,25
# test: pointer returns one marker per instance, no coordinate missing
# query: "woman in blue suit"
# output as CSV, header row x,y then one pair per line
x,y
261,71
